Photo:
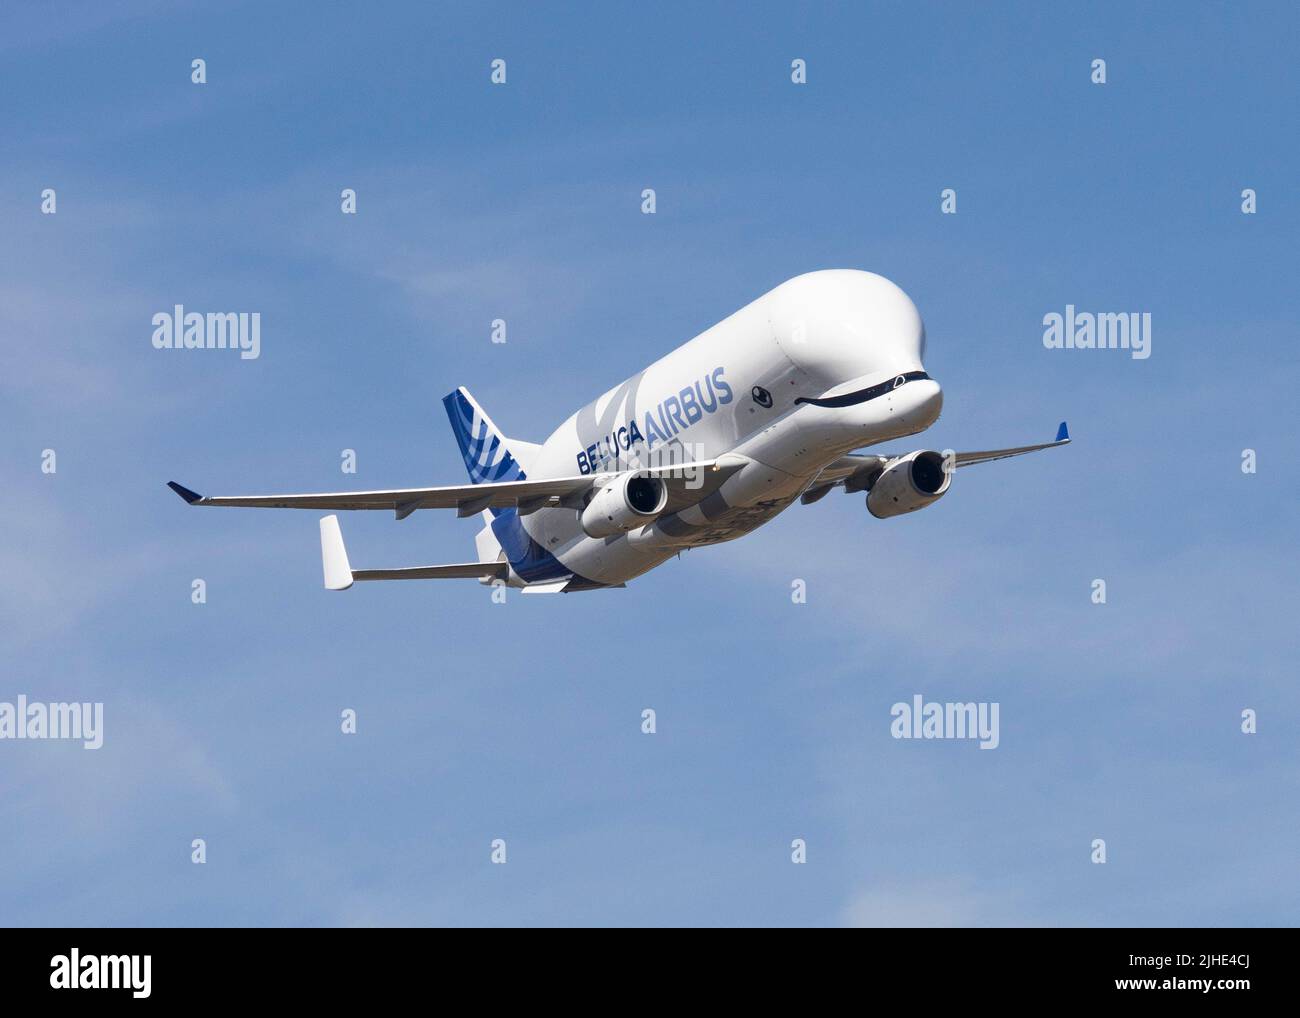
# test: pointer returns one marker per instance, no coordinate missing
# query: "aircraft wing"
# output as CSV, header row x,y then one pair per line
x,y
681,479
856,470
966,459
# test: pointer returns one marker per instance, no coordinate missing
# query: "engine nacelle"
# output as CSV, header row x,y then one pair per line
x,y
624,503
908,483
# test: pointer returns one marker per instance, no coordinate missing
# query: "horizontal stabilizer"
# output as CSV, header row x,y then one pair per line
x,y
339,574
456,571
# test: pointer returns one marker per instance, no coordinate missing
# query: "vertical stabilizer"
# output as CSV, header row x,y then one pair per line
x,y
489,455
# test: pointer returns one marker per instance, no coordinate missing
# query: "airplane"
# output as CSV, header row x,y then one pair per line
x,y
704,446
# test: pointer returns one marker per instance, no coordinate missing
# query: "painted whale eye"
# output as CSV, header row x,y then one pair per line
x,y
899,381
761,396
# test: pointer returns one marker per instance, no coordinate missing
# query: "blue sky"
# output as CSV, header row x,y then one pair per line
x,y
522,721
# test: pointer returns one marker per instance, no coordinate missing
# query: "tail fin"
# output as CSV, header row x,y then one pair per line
x,y
489,455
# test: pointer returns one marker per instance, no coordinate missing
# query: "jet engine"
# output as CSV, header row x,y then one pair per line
x,y
908,483
625,502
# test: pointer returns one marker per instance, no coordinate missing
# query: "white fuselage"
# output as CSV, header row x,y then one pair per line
x,y
732,390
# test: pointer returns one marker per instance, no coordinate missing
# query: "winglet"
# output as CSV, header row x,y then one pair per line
x,y
1062,433
190,496
334,557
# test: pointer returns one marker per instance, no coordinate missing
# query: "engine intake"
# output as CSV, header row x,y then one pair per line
x,y
909,483
624,503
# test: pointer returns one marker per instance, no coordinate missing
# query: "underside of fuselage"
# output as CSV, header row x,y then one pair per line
x,y
615,560
621,560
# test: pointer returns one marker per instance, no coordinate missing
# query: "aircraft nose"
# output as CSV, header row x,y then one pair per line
x,y
927,401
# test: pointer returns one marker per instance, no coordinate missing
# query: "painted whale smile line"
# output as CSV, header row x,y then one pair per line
x,y
863,395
